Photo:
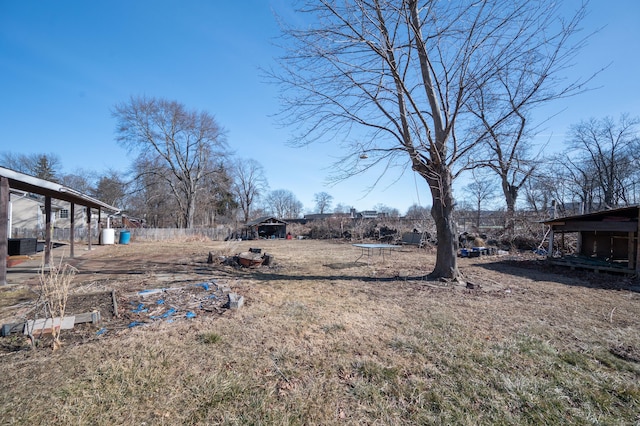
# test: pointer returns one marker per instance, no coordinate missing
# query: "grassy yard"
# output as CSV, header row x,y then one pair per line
x,y
323,340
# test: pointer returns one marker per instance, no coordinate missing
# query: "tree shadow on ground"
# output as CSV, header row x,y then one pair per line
x,y
541,270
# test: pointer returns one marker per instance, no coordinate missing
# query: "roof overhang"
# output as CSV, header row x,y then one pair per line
x,y
624,219
26,183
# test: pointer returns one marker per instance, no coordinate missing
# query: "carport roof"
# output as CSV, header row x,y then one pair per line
x,y
36,185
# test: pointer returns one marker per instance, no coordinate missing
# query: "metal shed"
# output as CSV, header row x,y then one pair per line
x,y
606,240
10,179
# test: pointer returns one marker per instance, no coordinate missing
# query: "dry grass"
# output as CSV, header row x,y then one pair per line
x,y
322,340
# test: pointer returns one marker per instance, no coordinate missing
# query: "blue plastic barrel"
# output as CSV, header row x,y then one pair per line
x,y
124,237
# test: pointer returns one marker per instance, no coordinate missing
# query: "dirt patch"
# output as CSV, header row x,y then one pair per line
x,y
129,288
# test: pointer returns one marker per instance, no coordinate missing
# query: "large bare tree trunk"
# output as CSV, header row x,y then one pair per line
x,y
191,211
442,213
510,195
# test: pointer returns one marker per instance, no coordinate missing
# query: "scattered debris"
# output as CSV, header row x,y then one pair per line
x,y
144,293
141,308
250,259
43,326
477,251
172,303
235,301
473,286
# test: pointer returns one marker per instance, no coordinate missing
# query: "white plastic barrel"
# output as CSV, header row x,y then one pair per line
x,y
108,236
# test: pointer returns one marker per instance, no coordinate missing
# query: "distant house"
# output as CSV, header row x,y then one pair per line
x,y
606,240
27,217
368,214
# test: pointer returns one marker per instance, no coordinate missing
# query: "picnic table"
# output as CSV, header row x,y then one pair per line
x,y
372,249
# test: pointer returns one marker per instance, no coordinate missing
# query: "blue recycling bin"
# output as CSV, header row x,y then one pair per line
x,y
125,236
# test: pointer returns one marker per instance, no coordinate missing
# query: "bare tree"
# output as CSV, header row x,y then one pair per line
x,y
13,161
417,212
604,155
185,142
578,179
388,211
43,166
111,188
323,201
249,184
283,204
544,186
504,147
341,208
395,78
81,180
218,202
149,196
481,189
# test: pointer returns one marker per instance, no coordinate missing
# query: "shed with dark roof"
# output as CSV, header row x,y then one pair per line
x,y
265,227
606,240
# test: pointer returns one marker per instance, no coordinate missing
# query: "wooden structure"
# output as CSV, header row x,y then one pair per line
x,y
10,179
606,241
264,227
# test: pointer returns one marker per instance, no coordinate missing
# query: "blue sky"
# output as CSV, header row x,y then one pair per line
x,y
65,64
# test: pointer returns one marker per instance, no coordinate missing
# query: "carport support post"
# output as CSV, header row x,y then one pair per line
x,y
72,231
99,225
47,230
638,247
550,251
88,228
4,224
631,249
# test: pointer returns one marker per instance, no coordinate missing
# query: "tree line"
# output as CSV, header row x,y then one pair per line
x,y
596,170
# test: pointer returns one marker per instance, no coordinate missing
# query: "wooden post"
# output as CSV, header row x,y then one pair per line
x,y
631,250
638,247
89,228
47,231
4,232
100,226
550,248
72,231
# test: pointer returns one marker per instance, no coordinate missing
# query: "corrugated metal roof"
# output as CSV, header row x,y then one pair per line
x,y
24,182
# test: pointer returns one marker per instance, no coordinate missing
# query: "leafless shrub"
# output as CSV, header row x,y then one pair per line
x,y
55,283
